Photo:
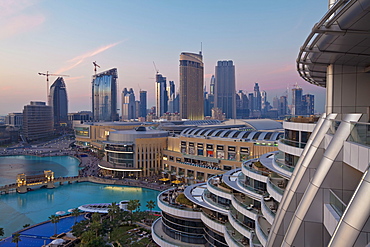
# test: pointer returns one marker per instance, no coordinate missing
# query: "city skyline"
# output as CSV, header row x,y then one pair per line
x,y
65,37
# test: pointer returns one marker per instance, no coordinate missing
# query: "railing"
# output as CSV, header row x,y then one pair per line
x,y
206,212
237,216
218,187
198,165
268,209
276,187
249,166
334,126
167,202
237,238
293,143
302,118
245,204
360,133
207,197
241,181
279,160
338,205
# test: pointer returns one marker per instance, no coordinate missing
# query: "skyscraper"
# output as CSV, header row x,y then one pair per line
x,y
59,102
37,121
297,103
283,106
143,105
128,104
160,95
171,95
104,96
242,105
309,104
191,86
225,88
256,98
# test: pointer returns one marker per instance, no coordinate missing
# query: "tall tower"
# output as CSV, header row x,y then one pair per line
x,y
128,104
143,106
191,86
257,98
297,103
104,96
59,102
171,95
225,88
37,121
308,104
160,95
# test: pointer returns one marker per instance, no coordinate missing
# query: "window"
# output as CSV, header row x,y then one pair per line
x,y
219,147
209,146
171,158
200,152
220,155
231,156
227,168
244,150
191,144
200,145
231,149
183,143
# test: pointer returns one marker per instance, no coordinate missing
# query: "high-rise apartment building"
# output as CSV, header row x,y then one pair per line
x,y
308,104
242,105
143,105
171,95
128,104
59,102
161,99
283,106
37,121
297,103
104,96
191,86
225,88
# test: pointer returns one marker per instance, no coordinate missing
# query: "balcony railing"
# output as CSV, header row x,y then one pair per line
x,y
338,205
246,202
241,181
334,126
207,197
249,166
293,143
279,160
360,133
199,165
237,238
208,213
278,187
302,118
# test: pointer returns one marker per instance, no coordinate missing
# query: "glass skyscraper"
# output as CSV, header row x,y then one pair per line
x,y
225,88
59,102
104,96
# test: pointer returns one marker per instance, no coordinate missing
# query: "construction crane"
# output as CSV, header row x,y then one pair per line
x,y
155,67
47,74
95,65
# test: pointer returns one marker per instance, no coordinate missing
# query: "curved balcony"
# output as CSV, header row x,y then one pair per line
x,y
167,204
240,226
262,230
234,238
280,166
251,169
210,219
207,198
215,186
291,147
276,188
244,205
163,240
268,209
249,190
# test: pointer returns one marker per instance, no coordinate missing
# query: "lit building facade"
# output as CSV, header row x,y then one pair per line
x,y
191,86
161,97
128,104
104,96
59,102
143,104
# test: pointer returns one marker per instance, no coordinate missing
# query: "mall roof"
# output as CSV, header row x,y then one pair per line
x,y
341,37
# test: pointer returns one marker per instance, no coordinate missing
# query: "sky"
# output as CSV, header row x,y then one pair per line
x,y
64,37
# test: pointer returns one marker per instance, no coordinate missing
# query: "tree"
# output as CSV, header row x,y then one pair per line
x,y
54,219
96,227
95,217
26,225
150,204
133,205
113,210
75,212
16,238
1,231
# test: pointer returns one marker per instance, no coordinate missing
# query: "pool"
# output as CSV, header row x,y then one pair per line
x,y
11,166
36,206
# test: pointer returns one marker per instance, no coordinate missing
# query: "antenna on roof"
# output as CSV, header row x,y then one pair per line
x,y
201,48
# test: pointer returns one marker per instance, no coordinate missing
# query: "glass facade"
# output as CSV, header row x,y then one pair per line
x,y
104,91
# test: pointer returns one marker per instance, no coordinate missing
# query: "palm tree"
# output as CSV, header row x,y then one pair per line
x,y
95,217
75,212
16,238
1,231
54,219
132,205
95,226
113,210
150,204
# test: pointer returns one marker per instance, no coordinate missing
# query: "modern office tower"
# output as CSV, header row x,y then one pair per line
x,y
137,108
251,103
80,117
171,95
59,102
308,104
283,106
176,103
128,104
191,86
104,96
242,105
143,105
37,121
161,99
275,102
225,88
207,109
212,85
264,103
297,103
257,98
14,119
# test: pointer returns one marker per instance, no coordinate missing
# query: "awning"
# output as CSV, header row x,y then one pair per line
x,y
176,182
207,159
164,179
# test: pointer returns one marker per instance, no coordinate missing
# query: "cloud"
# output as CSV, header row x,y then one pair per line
x,y
11,7
284,69
208,76
80,59
20,24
